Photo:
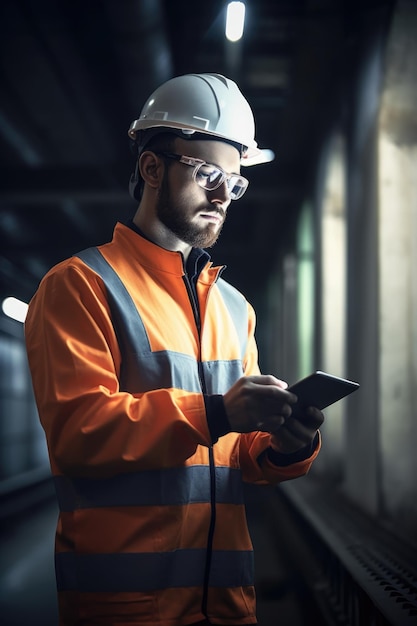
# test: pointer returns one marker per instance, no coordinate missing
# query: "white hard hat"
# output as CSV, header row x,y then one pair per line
x,y
210,104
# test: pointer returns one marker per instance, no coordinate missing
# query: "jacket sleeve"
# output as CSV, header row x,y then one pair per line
x,y
257,466
91,426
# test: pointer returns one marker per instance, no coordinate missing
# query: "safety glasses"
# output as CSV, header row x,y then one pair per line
x,y
211,176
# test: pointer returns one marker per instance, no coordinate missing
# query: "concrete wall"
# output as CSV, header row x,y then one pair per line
x,y
362,277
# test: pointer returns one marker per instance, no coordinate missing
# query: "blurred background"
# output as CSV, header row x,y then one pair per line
x,y
323,244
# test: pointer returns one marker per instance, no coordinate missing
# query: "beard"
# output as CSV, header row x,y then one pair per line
x,y
177,217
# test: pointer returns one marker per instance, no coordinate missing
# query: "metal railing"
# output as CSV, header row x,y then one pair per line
x,y
358,573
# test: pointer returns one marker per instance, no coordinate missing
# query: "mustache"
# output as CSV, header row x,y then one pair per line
x,y
216,211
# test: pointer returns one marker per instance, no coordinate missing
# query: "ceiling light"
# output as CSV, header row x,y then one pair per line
x,y
14,308
235,20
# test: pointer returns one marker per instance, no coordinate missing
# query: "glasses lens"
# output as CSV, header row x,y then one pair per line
x,y
209,177
237,186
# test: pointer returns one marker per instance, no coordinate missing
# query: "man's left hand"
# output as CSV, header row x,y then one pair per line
x,y
297,433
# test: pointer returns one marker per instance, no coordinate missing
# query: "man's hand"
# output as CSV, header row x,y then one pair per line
x,y
258,403
296,433
263,403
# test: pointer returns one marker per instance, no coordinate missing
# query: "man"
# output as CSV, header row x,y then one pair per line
x,y
144,367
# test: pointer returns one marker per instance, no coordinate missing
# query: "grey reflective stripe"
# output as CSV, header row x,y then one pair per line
x,y
127,572
141,370
120,299
128,325
168,487
166,369
219,376
238,310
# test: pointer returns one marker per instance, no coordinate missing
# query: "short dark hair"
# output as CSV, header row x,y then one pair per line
x,y
163,142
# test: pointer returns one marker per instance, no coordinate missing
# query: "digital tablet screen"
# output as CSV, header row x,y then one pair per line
x,y
321,390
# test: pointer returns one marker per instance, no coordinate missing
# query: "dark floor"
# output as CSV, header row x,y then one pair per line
x,y
27,581
27,584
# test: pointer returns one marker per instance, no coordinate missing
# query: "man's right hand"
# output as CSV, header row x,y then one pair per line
x,y
258,403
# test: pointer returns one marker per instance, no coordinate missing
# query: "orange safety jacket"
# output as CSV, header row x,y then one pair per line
x,y
152,527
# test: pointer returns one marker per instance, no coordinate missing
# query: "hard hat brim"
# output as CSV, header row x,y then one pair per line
x,y
251,151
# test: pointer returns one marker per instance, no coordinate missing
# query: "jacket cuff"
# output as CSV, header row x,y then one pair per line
x,y
282,460
216,416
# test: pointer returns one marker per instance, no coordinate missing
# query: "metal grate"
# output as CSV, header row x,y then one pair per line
x,y
392,586
365,580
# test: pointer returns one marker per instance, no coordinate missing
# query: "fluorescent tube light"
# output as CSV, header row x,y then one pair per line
x,y
235,20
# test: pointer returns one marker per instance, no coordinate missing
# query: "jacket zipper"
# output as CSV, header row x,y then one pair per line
x,y
209,549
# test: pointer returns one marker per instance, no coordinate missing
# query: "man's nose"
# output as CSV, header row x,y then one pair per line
x,y
221,195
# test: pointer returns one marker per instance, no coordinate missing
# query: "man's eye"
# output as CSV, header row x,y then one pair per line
x,y
207,171
210,174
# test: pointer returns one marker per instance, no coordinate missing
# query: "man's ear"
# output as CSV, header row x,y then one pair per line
x,y
151,168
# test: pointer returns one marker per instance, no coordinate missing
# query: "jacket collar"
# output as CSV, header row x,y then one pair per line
x,y
149,254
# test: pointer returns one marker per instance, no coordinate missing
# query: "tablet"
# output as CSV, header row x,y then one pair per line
x,y
320,390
